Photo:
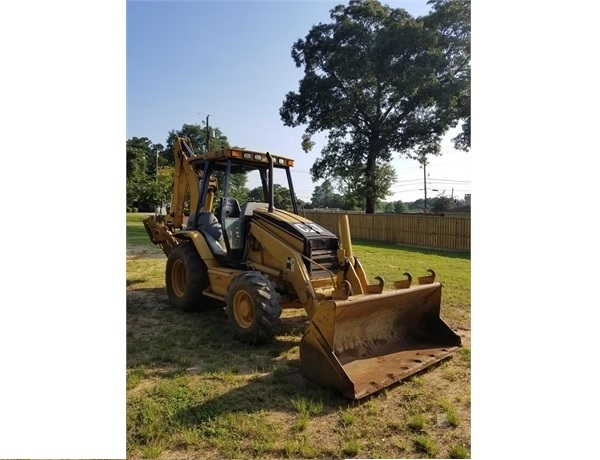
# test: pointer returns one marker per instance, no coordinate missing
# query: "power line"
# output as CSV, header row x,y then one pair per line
x,y
412,182
450,180
217,116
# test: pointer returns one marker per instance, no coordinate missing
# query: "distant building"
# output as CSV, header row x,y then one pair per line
x,y
461,211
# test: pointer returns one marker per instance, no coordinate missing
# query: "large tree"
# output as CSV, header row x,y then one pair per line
x,y
380,81
452,20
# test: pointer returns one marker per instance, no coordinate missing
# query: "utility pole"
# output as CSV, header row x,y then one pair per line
x,y
156,182
207,134
157,166
425,183
423,161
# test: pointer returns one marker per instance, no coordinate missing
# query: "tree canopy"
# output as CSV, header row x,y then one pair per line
x,y
380,81
142,168
324,196
198,135
281,196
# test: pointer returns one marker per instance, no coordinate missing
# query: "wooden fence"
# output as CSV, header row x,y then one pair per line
x,y
427,231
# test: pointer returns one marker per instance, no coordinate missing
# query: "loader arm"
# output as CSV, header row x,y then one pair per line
x,y
185,180
289,264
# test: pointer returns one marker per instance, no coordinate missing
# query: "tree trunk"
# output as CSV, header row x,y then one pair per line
x,y
370,205
370,180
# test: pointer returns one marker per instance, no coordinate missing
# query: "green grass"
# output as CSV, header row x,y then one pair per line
x,y
452,269
416,422
136,233
426,445
352,447
450,413
459,451
193,391
136,217
347,417
306,406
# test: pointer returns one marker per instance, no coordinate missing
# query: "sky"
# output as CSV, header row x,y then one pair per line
x,y
231,61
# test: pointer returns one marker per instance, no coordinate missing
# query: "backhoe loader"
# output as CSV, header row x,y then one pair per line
x,y
258,259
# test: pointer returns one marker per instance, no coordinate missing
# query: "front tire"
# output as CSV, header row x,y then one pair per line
x,y
253,308
186,277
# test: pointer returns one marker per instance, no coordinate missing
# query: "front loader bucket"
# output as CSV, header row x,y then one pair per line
x,y
370,341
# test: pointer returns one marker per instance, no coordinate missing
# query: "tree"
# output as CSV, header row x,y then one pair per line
x,y
443,203
400,207
378,81
150,167
282,198
324,196
387,207
137,152
197,134
352,185
417,205
452,18
162,187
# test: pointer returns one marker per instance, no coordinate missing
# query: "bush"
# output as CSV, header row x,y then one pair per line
x,y
129,209
134,209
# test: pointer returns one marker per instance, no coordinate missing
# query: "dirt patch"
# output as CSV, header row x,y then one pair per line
x,y
143,252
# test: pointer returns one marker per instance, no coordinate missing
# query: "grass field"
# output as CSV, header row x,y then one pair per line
x,y
195,392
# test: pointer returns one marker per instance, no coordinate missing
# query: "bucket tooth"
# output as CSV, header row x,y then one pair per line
x,y
404,284
427,279
376,288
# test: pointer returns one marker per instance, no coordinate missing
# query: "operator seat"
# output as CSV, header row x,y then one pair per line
x,y
233,221
209,226
232,207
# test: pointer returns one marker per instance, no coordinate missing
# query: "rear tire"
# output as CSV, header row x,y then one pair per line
x,y
253,308
186,277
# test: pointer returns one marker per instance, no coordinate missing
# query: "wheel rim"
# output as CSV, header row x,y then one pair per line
x,y
243,309
178,277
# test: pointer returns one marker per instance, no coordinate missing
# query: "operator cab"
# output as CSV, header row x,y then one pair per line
x,y
225,230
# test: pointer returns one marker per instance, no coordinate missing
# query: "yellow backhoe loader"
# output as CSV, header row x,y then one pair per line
x,y
258,259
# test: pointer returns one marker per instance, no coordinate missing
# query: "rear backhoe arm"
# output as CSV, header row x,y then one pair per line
x,y
185,180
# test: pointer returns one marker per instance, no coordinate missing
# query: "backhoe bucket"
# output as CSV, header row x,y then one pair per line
x,y
365,343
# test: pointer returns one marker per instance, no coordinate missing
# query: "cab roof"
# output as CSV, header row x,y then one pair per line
x,y
245,157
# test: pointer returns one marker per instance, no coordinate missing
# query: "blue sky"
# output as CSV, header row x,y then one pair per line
x,y
231,60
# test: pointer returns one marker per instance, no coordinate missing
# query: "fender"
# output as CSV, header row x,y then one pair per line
x,y
200,243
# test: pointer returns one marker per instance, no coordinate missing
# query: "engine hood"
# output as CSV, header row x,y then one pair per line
x,y
293,224
312,240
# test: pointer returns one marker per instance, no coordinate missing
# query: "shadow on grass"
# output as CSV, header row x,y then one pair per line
x,y
274,392
164,343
